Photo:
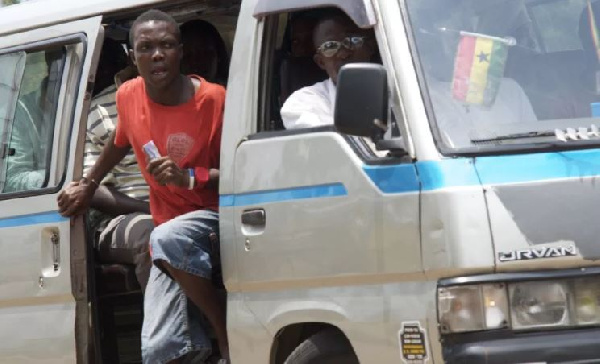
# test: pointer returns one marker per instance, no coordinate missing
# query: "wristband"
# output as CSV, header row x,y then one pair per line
x,y
191,173
90,180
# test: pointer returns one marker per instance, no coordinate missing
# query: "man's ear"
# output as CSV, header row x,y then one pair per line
x,y
319,61
132,57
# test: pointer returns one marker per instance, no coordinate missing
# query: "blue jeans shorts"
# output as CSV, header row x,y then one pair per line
x,y
173,325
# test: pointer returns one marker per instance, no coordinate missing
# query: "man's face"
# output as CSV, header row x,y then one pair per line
x,y
302,38
337,30
157,53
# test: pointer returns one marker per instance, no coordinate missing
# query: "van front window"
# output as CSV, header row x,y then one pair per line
x,y
502,72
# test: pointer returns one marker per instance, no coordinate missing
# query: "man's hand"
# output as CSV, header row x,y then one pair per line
x,y
75,199
167,172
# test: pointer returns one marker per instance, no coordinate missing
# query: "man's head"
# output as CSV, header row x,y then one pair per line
x,y
112,60
302,26
339,41
204,51
156,48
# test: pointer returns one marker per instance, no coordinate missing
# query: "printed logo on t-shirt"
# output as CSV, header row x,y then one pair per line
x,y
179,145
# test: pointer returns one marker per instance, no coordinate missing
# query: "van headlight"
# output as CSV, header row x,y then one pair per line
x,y
472,308
587,301
519,305
538,304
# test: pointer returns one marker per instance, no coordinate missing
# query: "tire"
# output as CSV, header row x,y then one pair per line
x,y
326,347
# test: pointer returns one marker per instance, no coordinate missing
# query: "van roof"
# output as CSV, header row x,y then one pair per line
x,y
33,14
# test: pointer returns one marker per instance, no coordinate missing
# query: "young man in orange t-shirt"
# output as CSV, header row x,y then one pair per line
x,y
182,116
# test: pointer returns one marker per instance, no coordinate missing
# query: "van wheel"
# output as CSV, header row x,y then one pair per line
x,y
325,347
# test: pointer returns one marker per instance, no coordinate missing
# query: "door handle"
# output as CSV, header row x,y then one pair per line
x,y
50,249
254,221
254,218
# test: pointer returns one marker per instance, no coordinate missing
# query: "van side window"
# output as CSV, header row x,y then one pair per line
x,y
28,128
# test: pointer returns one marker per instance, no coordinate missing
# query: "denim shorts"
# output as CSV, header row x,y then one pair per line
x,y
173,325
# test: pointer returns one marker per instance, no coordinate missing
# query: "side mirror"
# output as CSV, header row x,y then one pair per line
x,y
361,105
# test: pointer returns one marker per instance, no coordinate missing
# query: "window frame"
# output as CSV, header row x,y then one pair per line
x,y
69,72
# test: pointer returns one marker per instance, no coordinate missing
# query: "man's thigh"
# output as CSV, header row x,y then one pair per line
x,y
125,237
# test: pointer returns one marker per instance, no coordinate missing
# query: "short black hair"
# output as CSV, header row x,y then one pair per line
x,y
151,15
327,14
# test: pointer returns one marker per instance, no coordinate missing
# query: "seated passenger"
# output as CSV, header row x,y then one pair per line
x,y
338,41
120,211
575,98
26,167
204,52
297,68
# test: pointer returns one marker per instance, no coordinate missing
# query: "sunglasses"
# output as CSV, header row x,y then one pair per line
x,y
332,47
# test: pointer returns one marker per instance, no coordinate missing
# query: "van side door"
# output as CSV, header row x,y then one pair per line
x,y
44,75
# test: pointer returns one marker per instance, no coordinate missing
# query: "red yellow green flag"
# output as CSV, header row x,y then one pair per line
x,y
479,68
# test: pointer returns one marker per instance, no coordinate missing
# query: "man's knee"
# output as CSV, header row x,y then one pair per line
x,y
160,236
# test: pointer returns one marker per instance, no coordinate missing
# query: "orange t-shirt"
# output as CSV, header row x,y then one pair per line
x,y
189,133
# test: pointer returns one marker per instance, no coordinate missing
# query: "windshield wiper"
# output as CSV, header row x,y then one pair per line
x,y
515,136
580,133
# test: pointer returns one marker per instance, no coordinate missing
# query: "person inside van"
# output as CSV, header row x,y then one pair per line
x,y
173,122
26,166
204,52
338,41
297,68
120,212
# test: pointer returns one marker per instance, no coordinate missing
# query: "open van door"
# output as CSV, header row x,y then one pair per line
x,y
45,91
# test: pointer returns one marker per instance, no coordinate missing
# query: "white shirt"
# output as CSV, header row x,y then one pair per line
x,y
459,122
310,106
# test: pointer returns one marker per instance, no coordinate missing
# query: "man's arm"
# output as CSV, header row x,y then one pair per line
x,y
76,198
111,201
21,173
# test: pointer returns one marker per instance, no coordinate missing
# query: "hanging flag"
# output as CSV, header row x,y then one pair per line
x,y
479,68
593,28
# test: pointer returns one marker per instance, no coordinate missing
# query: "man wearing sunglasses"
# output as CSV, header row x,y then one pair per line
x,y
338,41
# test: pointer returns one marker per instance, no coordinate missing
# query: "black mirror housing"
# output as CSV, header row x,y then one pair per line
x,y
361,105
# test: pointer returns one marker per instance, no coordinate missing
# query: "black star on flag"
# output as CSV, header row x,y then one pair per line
x,y
483,57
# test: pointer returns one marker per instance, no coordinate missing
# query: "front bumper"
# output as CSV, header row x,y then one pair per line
x,y
566,346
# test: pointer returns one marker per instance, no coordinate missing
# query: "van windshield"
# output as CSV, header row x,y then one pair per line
x,y
501,72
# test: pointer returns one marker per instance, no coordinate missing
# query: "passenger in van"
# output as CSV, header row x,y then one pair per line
x,y
26,167
338,41
575,97
120,212
297,68
204,52
179,118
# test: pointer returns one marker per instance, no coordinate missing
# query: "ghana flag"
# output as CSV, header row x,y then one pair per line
x,y
479,68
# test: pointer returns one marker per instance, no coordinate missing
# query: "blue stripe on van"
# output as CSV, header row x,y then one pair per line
x,y
399,178
33,219
538,167
285,194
